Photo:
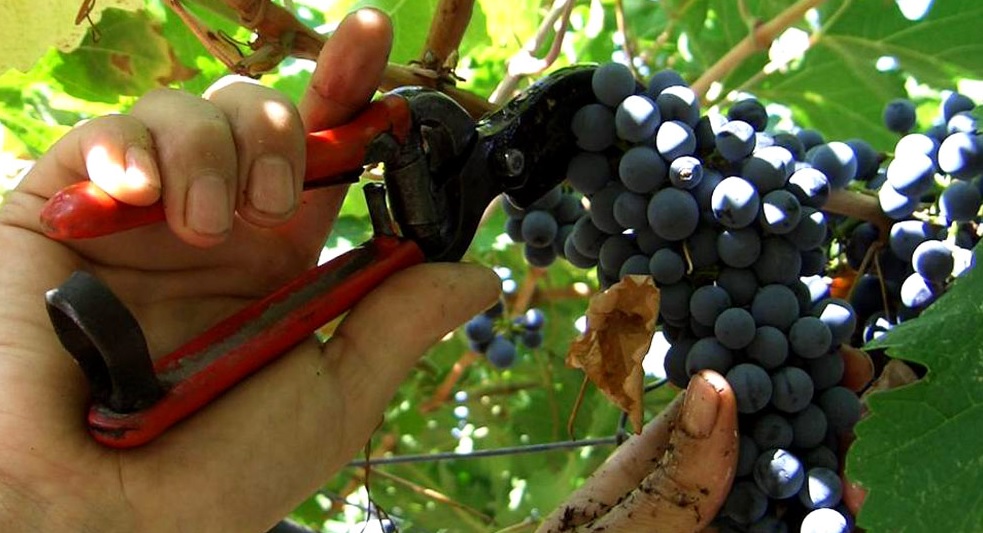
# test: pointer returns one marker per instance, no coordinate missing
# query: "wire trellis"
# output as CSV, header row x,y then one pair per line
x,y
620,436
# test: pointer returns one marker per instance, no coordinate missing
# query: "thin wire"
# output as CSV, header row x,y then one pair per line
x,y
621,435
512,450
498,452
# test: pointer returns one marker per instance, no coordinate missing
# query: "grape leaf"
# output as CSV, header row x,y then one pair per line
x,y
411,22
509,24
919,452
130,57
29,28
838,90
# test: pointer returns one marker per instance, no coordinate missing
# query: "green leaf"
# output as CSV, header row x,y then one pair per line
x,y
411,22
29,29
130,57
509,24
190,53
935,49
840,97
837,88
919,452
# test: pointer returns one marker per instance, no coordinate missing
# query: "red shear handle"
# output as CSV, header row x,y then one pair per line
x,y
233,349
83,210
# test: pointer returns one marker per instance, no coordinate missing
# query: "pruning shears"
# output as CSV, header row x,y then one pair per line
x,y
441,171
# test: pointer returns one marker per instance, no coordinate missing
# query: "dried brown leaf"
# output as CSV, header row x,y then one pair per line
x,y
620,325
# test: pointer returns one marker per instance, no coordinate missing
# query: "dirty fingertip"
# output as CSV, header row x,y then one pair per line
x,y
699,413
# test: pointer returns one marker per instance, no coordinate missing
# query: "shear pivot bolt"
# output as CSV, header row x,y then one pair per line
x,y
513,162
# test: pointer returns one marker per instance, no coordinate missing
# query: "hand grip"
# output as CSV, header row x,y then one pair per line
x,y
83,210
221,357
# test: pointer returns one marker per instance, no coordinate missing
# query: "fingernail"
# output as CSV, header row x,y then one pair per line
x,y
141,170
699,412
271,186
207,206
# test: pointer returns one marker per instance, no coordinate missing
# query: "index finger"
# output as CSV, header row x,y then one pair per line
x,y
348,70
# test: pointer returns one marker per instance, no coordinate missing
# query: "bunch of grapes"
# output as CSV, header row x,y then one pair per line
x,y
492,334
931,189
727,219
544,226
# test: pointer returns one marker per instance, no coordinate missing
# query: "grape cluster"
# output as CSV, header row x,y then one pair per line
x,y
727,219
931,188
496,337
544,226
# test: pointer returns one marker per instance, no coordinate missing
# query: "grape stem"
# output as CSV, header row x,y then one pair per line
x,y
627,44
524,63
758,39
387,444
432,494
450,381
450,21
402,75
279,34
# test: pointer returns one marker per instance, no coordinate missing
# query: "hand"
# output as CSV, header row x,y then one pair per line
x,y
676,474
673,476
251,456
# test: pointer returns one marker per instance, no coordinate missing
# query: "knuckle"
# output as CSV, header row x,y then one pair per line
x,y
155,97
18,209
205,128
229,83
269,119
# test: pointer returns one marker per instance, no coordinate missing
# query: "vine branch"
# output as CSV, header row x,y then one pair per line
x,y
523,63
629,47
859,206
757,40
450,21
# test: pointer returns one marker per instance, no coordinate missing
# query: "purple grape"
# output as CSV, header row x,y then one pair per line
x,y
612,83
792,389
675,139
739,248
775,305
778,473
667,267
933,260
836,160
707,302
636,118
539,228
960,202
685,172
751,111
771,430
673,214
735,328
911,174
823,488
809,186
899,115
780,212
679,103
642,170
735,140
593,126
735,202
768,169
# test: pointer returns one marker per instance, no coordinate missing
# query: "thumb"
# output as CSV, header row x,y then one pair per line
x,y
383,337
690,483
672,477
